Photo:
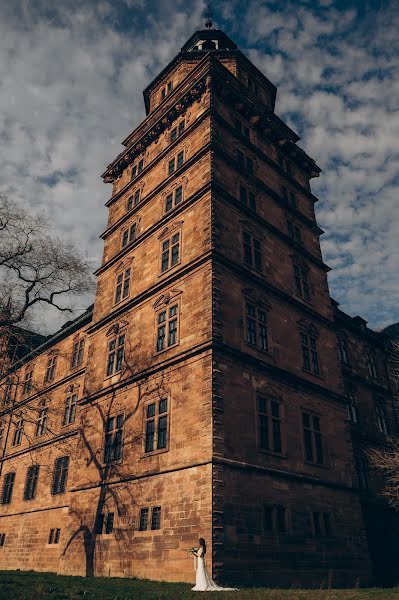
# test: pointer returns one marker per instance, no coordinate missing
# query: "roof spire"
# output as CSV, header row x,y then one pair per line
x,y
209,15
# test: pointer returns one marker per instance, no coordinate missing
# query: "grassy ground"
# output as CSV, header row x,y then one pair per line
x,y
46,586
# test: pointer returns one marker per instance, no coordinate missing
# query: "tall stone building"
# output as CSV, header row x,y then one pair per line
x,y
207,391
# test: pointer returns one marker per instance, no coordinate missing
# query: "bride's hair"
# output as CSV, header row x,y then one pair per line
x,y
202,543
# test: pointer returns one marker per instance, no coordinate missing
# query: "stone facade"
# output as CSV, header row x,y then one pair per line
x,y
207,391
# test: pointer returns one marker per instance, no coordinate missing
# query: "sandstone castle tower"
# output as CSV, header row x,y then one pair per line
x,y
207,392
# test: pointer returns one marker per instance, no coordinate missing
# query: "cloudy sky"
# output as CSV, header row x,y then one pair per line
x,y
71,81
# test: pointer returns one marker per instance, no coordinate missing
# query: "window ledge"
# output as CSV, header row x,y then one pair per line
x,y
157,352
271,453
155,452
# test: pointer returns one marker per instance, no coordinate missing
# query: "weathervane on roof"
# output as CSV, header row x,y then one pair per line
x,y
209,15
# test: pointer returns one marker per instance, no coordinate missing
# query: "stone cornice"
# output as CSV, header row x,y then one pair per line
x,y
190,90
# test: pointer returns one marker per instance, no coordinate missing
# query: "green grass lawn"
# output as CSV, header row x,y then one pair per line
x,y
16,585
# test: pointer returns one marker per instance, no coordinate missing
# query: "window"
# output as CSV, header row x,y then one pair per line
x,y
143,525
170,252
156,518
104,524
8,487
247,197
122,285
116,350
252,251
256,326
343,350
321,524
163,93
352,407
2,539
362,471
1,432
289,197
175,163
70,409
174,198
18,431
301,282
241,128
310,358
8,392
136,169
313,441
284,164
156,425
50,371
54,536
372,365
269,422
177,131
129,235
275,519
27,383
170,86
244,162
32,475
113,439
41,422
382,420
294,232
77,353
133,200
167,323
60,475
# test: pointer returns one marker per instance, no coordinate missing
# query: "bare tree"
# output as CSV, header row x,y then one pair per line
x,y
386,459
36,267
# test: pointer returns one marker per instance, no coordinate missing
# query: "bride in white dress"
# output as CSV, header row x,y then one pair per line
x,y
203,582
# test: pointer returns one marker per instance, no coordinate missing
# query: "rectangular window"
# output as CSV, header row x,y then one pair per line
x,y
343,350
180,159
77,353
156,518
173,198
54,536
294,232
113,439
18,432
70,409
170,86
41,424
2,539
1,433
301,282
310,357
8,486
372,366
352,407
247,197
50,370
8,392
132,176
177,131
170,252
245,163
167,324
27,383
32,475
109,523
156,425
60,475
269,419
136,198
129,205
122,285
256,326
143,526
252,251
313,441
171,166
140,166
382,420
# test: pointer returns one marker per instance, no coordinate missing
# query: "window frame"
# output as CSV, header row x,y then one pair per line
x,y
270,419
169,250
78,348
252,253
18,432
27,383
117,432
312,433
258,327
7,489
60,475
155,419
49,375
159,324
114,351
31,482
70,408
41,423
123,281
309,353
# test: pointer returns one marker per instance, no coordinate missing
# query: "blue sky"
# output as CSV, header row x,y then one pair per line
x,y
71,79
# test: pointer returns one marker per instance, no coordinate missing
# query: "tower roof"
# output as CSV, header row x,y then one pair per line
x,y
207,40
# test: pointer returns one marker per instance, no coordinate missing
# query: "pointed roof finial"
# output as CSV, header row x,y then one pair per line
x,y
209,15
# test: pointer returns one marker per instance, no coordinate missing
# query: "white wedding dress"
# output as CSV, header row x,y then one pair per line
x,y
203,582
